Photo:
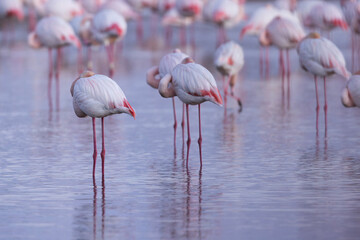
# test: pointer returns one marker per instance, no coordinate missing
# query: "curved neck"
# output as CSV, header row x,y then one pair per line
x,y
151,77
165,90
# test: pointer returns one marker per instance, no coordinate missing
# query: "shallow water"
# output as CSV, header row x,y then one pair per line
x,y
266,174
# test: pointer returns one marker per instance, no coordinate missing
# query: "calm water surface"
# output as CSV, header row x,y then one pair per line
x,y
266,175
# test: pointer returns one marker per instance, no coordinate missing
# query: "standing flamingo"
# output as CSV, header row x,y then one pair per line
x,y
322,58
285,34
66,9
193,84
10,9
225,14
190,9
98,96
53,33
156,73
351,94
108,26
229,60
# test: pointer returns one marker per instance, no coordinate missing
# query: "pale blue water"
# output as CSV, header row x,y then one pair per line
x,y
265,174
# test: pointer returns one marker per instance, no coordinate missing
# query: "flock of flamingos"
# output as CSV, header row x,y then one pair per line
x,y
54,24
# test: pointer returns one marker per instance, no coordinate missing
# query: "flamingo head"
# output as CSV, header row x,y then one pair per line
x,y
219,16
313,35
34,41
128,109
15,13
264,39
346,99
187,60
246,29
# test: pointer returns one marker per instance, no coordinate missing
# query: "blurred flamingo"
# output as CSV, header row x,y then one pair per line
x,y
322,58
107,27
10,9
193,84
351,94
98,96
229,60
53,33
65,9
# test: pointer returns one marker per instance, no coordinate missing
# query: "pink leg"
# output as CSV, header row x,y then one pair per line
x,y
175,122
261,61
317,106
200,139
193,32
50,79
183,123
325,106
80,67
103,147
183,36
238,100
282,70
267,61
89,58
95,151
32,19
110,51
57,77
140,30
225,91
189,138
288,75
352,52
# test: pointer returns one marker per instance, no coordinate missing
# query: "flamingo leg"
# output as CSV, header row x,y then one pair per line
x,y
50,78
192,29
183,123
175,124
288,74
183,36
103,147
317,105
57,78
261,61
238,100
189,138
95,151
110,52
89,58
225,91
80,67
140,29
267,61
200,139
352,52
325,106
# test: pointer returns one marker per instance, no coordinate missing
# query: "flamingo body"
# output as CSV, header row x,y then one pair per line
x,y
11,8
321,57
98,96
189,8
53,32
229,58
194,84
327,16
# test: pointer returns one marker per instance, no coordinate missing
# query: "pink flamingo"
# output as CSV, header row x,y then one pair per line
x,y
121,7
285,34
351,94
10,9
193,84
229,60
92,6
98,96
322,58
35,8
156,73
256,25
107,27
53,33
65,9
224,14
190,9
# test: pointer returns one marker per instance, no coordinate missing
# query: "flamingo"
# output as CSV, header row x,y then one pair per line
x,y
225,14
121,7
82,27
327,16
192,84
229,60
53,33
166,65
289,5
107,27
351,94
66,9
98,96
257,24
304,10
190,9
10,9
285,34
35,7
322,58
92,6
